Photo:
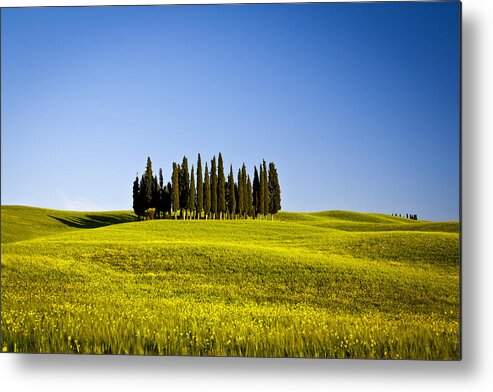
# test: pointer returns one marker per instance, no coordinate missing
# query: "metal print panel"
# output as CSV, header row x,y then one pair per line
x,y
270,180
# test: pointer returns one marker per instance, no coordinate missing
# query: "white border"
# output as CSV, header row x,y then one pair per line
x,y
87,373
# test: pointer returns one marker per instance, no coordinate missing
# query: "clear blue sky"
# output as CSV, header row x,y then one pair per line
x,y
357,104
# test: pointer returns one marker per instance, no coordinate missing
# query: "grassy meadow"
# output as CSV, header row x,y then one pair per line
x,y
333,284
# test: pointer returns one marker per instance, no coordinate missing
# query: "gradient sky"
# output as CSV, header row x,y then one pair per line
x,y
357,104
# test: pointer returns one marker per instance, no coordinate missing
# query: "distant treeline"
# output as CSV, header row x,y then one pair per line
x,y
408,216
208,196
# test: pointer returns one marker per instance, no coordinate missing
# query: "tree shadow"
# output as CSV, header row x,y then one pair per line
x,y
92,221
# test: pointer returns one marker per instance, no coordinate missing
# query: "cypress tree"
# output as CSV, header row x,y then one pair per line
x,y
168,192
148,185
155,185
237,195
156,195
249,210
274,190
249,199
244,188
266,190
142,196
176,188
214,209
256,193
161,179
261,192
161,203
191,201
221,187
200,188
135,197
231,186
207,193
241,195
211,194
184,187
226,196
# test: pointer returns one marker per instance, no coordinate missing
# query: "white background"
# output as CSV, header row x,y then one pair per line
x,y
473,373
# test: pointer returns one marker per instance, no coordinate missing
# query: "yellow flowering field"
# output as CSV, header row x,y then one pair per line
x,y
325,285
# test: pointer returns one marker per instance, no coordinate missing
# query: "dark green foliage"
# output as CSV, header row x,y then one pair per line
x,y
184,186
221,186
237,210
161,206
142,196
249,199
226,193
274,190
162,201
176,188
243,190
213,187
148,184
261,193
231,193
161,179
211,196
191,199
200,188
156,196
256,193
265,189
207,192
168,193
136,199
240,194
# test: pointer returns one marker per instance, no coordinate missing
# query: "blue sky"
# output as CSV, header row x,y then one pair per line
x,y
357,104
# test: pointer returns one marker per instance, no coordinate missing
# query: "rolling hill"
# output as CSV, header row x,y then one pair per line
x,y
334,284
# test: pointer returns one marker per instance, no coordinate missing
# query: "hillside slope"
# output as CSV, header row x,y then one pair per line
x,y
301,285
21,223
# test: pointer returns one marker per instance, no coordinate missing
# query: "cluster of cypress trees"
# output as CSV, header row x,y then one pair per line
x,y
208,196
408,216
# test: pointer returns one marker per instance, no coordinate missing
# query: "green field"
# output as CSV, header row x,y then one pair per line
x,y
333,284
